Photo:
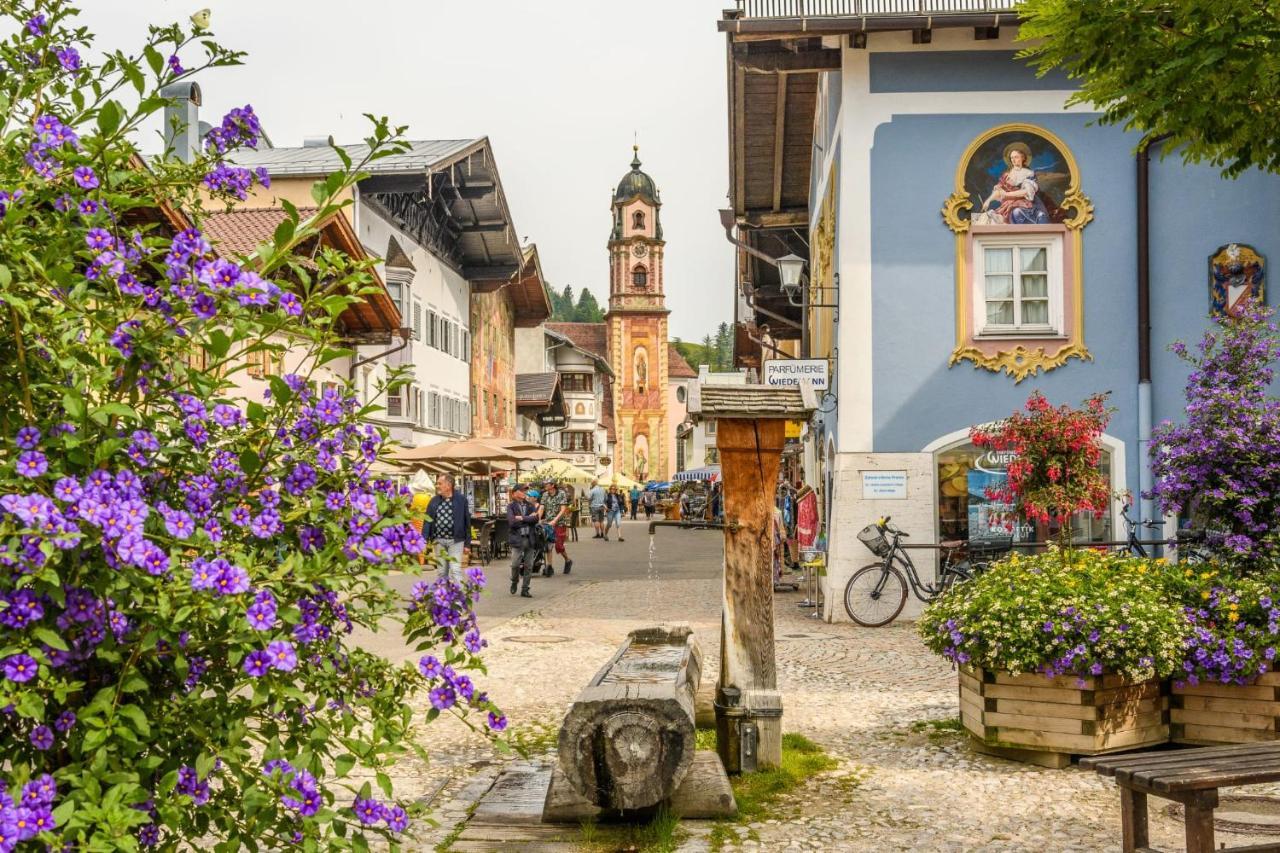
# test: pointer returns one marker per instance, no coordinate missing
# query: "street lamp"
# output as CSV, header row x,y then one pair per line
x,y
791,271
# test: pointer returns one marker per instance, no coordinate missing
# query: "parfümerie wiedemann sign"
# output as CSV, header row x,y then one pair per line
x,y
796,371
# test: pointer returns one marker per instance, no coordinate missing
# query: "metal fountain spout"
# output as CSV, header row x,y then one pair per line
x,y
709,525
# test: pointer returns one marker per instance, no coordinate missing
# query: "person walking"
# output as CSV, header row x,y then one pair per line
x,y
448,520
613,511
716,504
635,501
595,500
650,502
522,518
556,511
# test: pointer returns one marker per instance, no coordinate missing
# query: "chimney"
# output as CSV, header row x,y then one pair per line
x,y
182,120
317,141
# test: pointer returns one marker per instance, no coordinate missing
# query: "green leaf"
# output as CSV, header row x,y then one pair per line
x,y
50,638
219,343
73,404
30,705
107,410
109,118
154,59
343,763
384,782
204,765
134,715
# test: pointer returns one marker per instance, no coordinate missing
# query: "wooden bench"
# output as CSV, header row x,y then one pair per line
x,y
1191,777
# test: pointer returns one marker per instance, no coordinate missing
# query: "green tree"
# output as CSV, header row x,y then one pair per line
x,y
1204,72
562,309
724,347
587,309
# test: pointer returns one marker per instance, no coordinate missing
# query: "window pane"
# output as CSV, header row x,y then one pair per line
x,y
1035,312
1000,313
999,287
999,260
1035,286
1034,259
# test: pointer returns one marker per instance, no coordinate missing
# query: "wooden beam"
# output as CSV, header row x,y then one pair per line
x,y
779,132
485,227
781,61
789,218
415,183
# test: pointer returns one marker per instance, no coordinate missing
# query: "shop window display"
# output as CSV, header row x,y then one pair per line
x,y
965,512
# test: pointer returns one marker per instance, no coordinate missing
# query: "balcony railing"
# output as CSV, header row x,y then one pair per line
x,y
859,8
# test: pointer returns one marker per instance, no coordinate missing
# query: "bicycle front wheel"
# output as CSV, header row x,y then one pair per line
x,y
875,595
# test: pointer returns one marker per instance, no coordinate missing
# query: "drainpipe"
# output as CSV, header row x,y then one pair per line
x,y
1146,506
406,335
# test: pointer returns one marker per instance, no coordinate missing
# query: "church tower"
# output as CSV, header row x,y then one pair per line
x,y
637,328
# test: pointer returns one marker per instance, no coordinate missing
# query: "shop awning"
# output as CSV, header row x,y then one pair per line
x,y
709,473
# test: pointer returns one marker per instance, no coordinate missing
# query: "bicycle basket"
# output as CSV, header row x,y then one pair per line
x,y
875,541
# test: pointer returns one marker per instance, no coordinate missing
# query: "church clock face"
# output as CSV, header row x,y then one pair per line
x,y
640,250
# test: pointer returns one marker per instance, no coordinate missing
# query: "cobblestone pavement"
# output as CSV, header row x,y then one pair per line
x,y
865,695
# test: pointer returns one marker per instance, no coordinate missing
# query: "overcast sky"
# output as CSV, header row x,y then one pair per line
x,y
559,86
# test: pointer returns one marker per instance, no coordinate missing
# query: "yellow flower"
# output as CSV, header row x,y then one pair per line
x,y
1205,595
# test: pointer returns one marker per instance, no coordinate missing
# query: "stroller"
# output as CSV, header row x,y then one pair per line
x,y
543,536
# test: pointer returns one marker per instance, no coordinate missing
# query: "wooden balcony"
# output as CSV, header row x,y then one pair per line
x,y
860,8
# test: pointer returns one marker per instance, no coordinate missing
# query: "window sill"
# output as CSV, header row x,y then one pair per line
x,y
1028,335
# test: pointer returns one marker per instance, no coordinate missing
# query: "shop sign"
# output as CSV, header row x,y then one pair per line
x,y
792,372
884,485
794,428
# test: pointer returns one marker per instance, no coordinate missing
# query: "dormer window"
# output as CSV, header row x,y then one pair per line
x,y
637,220
640,277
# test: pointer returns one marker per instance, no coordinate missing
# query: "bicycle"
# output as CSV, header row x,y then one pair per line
x,y
1132,544
876,593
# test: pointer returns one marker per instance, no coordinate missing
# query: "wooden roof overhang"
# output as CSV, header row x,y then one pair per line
x,y
773,91
239,232
529,292
457,209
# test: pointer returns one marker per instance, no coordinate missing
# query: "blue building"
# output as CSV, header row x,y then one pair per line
x,y
970,238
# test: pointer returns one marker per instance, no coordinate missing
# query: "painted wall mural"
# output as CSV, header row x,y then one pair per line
x,y
493,364
1018,215
1237,274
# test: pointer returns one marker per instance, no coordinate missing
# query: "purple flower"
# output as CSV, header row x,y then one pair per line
x,y
283,657
85,177
397,819
32,464
28,438
69,57
290,304
497,722
36,24
42,737
175,65
368,811
20,668
443,697
429,667
65,722
257,663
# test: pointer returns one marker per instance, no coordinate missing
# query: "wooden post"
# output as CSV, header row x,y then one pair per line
x,y
750,456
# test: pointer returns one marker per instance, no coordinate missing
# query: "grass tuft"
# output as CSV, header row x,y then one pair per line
x,y
758,793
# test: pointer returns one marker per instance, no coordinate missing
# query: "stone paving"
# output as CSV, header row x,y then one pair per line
x,y
865,695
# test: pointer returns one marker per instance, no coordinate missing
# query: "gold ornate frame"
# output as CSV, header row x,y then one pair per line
x,y
1018,360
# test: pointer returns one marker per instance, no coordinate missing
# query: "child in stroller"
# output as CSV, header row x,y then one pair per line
x,y
544,536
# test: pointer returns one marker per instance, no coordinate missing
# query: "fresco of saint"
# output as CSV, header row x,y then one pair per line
x,y
1017,193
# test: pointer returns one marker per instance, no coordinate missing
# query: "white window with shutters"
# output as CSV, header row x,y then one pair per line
x,y
466,345
417,320
433,322
1018,285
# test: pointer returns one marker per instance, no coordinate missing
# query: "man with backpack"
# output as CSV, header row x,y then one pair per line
x,y
556,511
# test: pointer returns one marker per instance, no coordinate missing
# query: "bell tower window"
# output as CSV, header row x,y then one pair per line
x,y
637,220
640,277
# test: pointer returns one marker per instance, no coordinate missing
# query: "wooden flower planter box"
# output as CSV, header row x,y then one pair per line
x,y
1047,720
1212,713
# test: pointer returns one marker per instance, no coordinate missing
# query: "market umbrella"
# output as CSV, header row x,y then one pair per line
x,y
560,471
622,481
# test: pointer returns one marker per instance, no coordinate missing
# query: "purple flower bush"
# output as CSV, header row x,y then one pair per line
x,y
1222,464
1064,612
181,570
1233,626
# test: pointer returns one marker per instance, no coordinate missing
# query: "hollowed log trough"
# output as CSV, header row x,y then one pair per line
x,y
627,742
